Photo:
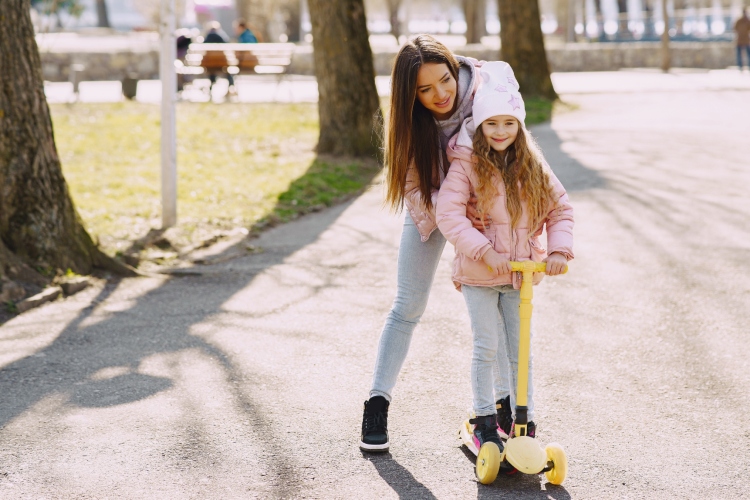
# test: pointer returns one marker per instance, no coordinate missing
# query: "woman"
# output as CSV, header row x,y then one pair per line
x,y
431,95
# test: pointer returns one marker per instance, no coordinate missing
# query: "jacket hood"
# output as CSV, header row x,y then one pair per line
x,y
460,145
468,83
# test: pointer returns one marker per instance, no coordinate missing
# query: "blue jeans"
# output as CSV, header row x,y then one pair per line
x,y
495,343
417,263
739,55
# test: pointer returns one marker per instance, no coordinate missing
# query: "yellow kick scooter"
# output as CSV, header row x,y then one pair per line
x,y
521,451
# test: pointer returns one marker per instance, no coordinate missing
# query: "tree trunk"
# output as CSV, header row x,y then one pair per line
x,y
666,60
101,14
393,7
566,19
522,46
293,12
599,19
475,15
348,105
39,227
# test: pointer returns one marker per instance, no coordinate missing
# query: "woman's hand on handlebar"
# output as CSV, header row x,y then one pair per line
x,y
478,220
556,263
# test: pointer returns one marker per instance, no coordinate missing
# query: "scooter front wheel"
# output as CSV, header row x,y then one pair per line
x,y
556,455
488,463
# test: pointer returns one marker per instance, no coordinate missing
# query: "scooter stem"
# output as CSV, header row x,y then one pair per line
x,y
528,268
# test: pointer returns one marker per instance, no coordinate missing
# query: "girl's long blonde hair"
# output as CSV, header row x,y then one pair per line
x,y
521,164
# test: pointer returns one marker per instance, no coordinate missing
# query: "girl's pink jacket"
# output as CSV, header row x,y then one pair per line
x,y
517,244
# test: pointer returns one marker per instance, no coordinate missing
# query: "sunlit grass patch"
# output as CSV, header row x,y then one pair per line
x,y
234,162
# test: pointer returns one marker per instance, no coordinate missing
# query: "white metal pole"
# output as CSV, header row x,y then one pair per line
x,y
168,129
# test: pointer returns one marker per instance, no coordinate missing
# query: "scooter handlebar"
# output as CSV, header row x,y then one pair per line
x,y
528,265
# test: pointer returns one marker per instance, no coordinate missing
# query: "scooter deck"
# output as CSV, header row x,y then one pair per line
x,y
467,437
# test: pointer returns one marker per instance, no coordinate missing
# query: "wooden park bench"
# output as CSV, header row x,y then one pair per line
x,y
239,58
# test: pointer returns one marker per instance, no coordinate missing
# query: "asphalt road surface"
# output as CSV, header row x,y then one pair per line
x,y
246,380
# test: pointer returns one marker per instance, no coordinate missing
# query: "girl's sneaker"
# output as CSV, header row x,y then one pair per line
x,y
375,426
485,430
504,417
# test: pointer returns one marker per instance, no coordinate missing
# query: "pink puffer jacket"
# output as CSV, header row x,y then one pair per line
x,y
517,244
424,219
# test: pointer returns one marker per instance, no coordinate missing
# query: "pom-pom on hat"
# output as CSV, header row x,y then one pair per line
x,y
497,94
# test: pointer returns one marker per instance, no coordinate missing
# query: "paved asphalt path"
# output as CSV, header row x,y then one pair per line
x,y
247,380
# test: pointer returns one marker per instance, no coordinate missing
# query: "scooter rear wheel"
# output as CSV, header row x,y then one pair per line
x,y
488,463
556,455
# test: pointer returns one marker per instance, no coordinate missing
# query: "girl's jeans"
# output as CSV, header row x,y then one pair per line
x,y
417,263
495,343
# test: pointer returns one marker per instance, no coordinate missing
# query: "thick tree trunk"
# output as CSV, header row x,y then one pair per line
x,y
522,46
475,15
348,103
38,223
101,14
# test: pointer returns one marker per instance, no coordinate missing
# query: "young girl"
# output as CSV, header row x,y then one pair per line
x,y
519,194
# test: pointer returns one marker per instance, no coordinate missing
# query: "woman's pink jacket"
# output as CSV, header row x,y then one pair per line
x,y
424,219
517,244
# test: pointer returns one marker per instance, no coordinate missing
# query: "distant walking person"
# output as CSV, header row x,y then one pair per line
x,y
742,27
244,34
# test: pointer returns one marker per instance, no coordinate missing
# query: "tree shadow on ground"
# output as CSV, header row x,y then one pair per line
x,y
95,364
573,175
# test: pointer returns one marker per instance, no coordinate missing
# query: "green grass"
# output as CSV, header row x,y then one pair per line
x,y
238,165
538,110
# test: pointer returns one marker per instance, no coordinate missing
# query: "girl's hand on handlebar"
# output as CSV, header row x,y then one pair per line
x,y
496,262
478,220
556,263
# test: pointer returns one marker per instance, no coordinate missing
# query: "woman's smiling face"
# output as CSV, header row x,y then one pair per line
x,y
436,89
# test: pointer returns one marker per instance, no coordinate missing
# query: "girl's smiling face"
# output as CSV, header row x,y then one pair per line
x,y
436,89
500,131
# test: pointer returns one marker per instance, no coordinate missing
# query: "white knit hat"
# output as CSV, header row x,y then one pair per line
x,y
497,94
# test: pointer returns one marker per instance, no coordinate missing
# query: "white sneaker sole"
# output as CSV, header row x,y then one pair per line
x,y
374,447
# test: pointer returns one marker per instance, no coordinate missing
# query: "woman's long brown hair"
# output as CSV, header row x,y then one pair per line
x,y
522,163
412,136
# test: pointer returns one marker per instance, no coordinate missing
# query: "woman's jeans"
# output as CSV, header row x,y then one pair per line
x,y
417,263
495,343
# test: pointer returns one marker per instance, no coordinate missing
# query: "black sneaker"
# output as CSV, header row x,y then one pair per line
x,y
504,417
485,431
530,429
375,425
